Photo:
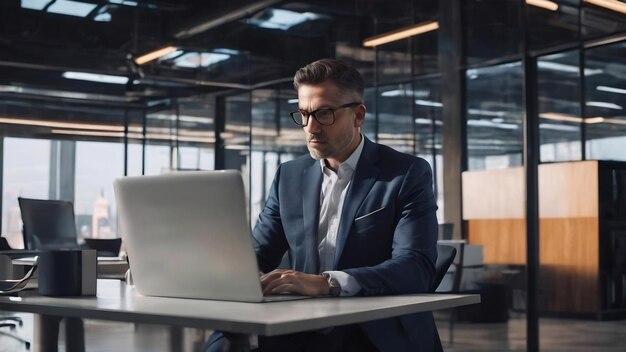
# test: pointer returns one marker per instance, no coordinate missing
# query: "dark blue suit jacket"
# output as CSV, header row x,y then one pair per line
x,y
386,240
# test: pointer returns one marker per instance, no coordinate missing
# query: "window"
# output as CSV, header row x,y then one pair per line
x,y
26,173
558,88
494,112
395,117
98,164
605,102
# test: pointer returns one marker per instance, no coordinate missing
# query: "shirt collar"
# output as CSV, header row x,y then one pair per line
x,y
352,160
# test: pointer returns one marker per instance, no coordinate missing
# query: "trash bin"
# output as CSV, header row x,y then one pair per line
x,y
493,307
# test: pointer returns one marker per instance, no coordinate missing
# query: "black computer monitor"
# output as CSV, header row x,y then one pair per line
x,y
48,224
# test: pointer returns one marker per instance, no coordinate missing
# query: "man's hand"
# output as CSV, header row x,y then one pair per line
x,y
291,281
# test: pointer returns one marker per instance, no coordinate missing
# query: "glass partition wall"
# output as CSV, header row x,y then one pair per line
x,y
560,60
75,154
564,60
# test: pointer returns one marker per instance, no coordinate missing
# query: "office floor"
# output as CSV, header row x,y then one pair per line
x,y
556,335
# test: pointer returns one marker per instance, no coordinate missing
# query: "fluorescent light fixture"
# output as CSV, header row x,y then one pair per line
x,y
57,124
555,66
193,60
555,127
71,8
595,120
486,112
424,121
34,4
606,120
94,77
406,93
615,121
103,17
89,133
283,19
236,147
560,117
226,51
611,89
174,54
160,136
64,94
602,104
154,55
401,33
571,118
123,2
428,103
612,5
548,5
292,101
183,118
486,123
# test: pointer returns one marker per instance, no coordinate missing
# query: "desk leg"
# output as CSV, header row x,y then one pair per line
x,y
74,335
238,342
176,338
46,333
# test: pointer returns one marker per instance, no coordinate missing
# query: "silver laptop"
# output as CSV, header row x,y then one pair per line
x,y
187,236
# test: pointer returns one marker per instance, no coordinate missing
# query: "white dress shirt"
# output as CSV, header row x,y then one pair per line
x,y
333,193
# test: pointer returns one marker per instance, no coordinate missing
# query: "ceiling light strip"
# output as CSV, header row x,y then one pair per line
x,y
611,89
56,124
155,55
588,120
612,5
401,33
548,5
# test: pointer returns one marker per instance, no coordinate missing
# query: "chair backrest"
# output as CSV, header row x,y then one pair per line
x,y
48,224
6,267
4,244
445,257
105,247
445,231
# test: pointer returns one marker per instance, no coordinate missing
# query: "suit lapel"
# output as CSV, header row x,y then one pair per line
x,y
311,186
362,181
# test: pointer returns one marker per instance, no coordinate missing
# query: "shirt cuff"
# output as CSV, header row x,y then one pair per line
x,y
349,285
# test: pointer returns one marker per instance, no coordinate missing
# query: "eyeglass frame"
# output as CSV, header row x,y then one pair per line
x,y
300,113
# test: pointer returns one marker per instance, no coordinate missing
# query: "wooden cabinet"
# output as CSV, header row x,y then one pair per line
x,y
582,231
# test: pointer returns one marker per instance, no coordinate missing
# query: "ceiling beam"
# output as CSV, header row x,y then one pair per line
x,y
222,16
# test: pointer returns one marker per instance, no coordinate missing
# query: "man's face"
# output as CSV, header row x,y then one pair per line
x,y
337,141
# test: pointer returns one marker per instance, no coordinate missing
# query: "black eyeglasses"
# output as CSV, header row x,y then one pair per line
x,y
324,116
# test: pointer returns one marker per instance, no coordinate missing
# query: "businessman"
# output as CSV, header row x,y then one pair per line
x,y
355,217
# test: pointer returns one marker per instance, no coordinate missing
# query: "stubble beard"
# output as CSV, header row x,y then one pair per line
x,y
319,154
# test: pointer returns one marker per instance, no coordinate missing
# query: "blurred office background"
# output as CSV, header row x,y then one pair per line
x,y
79,109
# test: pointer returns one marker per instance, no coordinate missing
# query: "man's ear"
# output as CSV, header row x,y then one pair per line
x,y
359,112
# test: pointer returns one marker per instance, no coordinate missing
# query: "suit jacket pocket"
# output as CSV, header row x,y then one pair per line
x,y
368,214
368,220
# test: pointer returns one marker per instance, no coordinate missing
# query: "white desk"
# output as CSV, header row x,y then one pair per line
x,y
119,302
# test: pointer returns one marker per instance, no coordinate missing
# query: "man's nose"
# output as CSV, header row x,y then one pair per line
x,y
313,125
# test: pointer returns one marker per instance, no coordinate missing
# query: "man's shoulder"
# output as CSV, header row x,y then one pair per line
x,y
391,156
298,163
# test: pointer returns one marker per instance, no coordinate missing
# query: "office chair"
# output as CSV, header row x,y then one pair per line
x,y
11,322
105,247
445,257
445,231
48,224
4,245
